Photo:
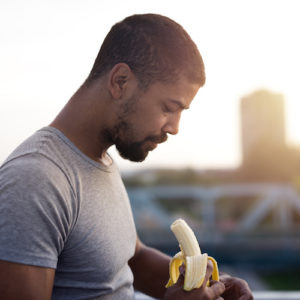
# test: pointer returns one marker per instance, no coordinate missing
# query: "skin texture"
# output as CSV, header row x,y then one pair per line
x,y
152,281
115,110
117,98
151,116
235,288
25,282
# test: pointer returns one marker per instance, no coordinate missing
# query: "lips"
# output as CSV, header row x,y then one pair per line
x,y
154,146
159,139
150,145
153,141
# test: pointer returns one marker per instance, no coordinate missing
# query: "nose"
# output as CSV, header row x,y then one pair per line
x,y
172,124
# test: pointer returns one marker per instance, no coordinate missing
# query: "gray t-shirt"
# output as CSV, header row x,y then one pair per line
x,y
60,209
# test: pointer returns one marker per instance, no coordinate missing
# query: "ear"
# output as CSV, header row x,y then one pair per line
x,y
118,80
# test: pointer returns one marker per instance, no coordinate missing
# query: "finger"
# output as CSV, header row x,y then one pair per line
x,y
216,289
220,298
249,296
246,294
242,286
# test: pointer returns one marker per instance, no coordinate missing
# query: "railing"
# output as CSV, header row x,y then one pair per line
x,y
261,295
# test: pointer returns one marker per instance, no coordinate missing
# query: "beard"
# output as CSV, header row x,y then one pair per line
x,y
123,137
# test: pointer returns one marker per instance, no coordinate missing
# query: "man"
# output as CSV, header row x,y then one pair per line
x,y
66,228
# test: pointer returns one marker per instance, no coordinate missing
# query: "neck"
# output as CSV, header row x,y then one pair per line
x,y
83,120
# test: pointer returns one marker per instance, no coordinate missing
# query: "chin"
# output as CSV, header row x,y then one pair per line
x,y
136,152
134,157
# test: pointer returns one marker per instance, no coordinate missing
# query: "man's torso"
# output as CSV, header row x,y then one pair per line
x,y
85,208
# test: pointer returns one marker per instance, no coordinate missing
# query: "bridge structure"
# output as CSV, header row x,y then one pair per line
x,y
247,242
280,199
244,251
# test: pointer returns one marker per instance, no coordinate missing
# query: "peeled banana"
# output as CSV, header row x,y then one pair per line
x,y
190,255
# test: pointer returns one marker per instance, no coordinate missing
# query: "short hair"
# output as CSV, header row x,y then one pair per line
x,y
155,47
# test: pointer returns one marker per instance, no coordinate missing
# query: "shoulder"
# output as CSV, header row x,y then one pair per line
x,y
34,181
41,156
32,169
35,184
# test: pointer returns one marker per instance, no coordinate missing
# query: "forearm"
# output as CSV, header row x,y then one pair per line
x,y
150,268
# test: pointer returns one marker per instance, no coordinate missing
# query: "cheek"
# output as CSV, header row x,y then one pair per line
x,y
154,124
150,120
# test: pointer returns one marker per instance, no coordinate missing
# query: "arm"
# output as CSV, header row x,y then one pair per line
x,y
151,273
150,268
25,282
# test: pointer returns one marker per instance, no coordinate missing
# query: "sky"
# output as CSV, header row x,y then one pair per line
x,y
47,49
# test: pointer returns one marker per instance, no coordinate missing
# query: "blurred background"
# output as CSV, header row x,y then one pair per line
x,y
233,171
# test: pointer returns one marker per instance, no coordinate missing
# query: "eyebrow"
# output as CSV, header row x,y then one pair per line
x,y
179,103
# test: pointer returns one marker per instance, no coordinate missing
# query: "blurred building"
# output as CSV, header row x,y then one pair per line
x,y
266,156
262,121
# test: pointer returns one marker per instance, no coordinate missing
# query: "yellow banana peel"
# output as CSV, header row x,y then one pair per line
x,y
190,255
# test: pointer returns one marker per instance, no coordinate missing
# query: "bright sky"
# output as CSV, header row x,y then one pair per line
x,y
47,48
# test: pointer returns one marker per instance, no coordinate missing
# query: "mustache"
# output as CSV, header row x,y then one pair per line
x,y
158,139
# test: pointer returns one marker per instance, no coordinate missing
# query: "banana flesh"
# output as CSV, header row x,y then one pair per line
x,y
190,255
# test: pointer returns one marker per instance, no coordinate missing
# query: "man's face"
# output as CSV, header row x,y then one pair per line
x,y
147,118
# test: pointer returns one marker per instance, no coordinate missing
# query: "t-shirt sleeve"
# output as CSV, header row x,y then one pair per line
x,y
37,211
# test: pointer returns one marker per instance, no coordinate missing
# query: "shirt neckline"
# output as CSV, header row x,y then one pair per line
x,y
66,140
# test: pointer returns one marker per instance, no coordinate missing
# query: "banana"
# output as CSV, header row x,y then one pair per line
x,y
190,255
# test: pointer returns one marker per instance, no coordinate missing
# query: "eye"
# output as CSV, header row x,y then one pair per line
x,y
167,109
170,108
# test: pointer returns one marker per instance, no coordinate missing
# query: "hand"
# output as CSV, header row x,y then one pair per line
x,y
235,288
213,292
